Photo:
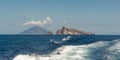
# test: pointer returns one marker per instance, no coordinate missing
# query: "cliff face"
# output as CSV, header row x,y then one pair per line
x,y
71,31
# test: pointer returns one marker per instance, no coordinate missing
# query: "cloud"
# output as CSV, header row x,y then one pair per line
x,y
46,21
64,21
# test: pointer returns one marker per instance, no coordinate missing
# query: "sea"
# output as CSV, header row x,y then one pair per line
x,y
59,47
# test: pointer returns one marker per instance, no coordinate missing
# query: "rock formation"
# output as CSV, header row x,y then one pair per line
x,y
71,31
50,32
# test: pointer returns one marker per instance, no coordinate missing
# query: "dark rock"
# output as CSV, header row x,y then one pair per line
x,y
50,32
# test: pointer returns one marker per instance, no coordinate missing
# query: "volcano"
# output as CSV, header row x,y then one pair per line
x,y
36,30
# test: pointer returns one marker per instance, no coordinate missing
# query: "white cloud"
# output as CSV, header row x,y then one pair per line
x,y
64,21
46,21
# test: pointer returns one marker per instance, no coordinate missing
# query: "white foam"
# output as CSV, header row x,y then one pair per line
x,y
25,57
66,38
113,52
79,52
55,42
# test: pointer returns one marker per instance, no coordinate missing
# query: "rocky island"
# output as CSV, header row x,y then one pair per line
x,y
71,31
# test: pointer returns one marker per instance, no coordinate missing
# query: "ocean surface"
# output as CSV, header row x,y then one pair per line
x,y
59,47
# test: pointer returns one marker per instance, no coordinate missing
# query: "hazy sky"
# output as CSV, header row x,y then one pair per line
x,y
97,16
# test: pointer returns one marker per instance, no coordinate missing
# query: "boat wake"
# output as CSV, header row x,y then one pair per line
x,y
101,50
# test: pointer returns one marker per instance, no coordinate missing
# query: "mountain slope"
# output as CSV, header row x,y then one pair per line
x,y
36,30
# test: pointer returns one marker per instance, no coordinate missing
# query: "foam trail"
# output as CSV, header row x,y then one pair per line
x,y
67,38
94,51
63,40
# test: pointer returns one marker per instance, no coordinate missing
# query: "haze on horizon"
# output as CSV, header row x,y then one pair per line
x,y
97,16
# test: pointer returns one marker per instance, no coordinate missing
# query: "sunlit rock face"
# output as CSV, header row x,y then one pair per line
x,y
71,31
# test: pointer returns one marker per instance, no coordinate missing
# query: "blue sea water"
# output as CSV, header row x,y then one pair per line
x,y
59,47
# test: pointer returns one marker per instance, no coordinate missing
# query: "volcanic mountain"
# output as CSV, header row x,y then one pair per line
x,y
36,30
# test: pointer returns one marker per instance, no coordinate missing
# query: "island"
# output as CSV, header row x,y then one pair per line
x,y
37,30
71,31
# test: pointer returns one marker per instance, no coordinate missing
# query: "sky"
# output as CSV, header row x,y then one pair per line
x,y
97,16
